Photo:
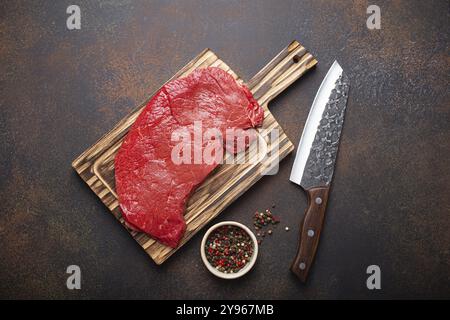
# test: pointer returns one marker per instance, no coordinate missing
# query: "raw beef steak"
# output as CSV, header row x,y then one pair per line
x,y
152,188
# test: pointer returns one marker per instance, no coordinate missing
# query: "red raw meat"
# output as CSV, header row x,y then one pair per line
x,y
152,189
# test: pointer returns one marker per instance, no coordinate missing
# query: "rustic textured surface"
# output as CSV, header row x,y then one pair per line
x,y
389,203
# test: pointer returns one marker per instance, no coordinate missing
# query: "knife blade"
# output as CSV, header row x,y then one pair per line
x,y
315,159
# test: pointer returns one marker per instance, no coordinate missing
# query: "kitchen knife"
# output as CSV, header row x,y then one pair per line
x,y
315,159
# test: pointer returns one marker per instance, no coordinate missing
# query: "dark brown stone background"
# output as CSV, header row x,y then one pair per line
x,y
390,202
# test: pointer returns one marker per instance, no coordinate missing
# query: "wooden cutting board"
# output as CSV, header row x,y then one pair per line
x,y
96,165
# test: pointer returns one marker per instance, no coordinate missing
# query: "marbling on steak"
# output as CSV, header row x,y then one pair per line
x,y
152,189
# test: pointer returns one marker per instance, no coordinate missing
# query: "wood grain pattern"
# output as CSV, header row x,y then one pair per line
x,y
96,165
310,230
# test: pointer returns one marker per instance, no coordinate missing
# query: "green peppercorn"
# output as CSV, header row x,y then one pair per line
x,y
232,248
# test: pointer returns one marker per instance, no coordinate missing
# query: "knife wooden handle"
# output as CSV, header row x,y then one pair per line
x,y
310,229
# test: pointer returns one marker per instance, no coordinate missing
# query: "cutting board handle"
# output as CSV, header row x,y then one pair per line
x,y
286,67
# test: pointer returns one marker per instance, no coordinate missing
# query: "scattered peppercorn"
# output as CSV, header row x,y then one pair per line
x,y
229,249
263,220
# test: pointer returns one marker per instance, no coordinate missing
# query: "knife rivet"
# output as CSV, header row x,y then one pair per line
x,y
318,200
302,266
310,233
